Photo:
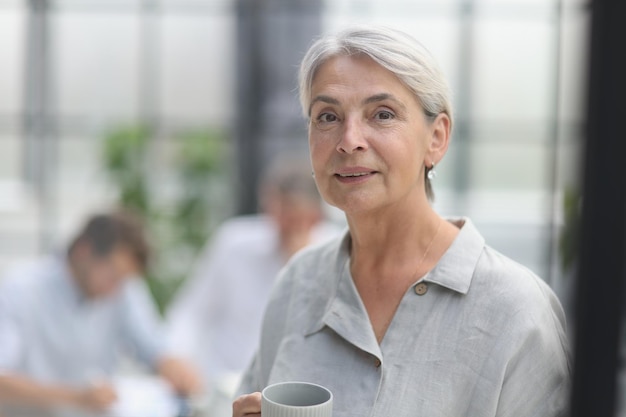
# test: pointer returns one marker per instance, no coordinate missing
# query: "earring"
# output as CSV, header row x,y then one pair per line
x,y
431,172
313,174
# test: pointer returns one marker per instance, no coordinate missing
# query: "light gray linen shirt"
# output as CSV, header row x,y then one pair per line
x,y
487,338
50,332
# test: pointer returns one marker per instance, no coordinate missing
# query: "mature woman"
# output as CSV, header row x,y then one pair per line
x,y
408,314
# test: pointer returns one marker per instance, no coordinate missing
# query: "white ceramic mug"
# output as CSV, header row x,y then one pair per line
x,y
296,399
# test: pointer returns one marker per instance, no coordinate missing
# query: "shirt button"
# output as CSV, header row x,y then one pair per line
x,y
378,363
421,288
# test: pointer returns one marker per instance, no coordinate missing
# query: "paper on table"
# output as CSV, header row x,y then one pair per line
x,y
143,396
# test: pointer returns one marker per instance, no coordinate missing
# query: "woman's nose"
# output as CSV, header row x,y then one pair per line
x,y
352,138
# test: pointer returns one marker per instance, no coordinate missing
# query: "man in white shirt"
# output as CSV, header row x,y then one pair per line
x,y
65,321
216,318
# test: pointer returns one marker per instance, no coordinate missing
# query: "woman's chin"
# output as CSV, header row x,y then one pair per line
x,y
355,207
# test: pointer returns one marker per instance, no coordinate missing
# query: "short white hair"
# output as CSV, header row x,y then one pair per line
x,y
395,51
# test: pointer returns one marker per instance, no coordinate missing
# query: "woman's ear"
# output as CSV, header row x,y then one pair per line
x,y
439,138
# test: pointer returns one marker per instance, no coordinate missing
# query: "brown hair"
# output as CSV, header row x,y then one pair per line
x,y
109,231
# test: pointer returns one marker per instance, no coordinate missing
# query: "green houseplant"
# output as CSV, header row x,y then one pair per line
x,y
178,225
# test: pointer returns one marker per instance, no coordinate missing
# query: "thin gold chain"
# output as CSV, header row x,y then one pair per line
x,y
429,246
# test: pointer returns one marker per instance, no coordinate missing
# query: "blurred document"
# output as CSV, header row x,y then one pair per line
x,y
144,396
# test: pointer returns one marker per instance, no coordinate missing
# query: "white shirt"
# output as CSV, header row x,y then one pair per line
x,y
50,332
479,336
216,318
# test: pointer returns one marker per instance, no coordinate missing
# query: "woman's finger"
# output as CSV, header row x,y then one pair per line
x,y
247,405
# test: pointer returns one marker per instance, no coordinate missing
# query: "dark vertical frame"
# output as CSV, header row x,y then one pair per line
x,y
602,269
248,103
272,37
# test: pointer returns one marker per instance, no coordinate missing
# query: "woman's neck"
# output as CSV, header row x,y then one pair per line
x,y
393,234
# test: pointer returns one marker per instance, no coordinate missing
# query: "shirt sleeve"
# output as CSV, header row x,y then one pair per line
x,y
250,382
142,328
537,375
10,345
256,376
10,337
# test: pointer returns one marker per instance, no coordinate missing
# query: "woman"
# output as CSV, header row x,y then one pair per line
x,y
409,313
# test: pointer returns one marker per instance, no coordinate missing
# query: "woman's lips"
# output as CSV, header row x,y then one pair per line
x,y
354,175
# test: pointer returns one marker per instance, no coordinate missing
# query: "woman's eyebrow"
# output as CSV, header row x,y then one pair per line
x,y
372,99
382,97
323,99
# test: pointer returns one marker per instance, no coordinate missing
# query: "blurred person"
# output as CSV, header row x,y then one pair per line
x,y
408,313
216,317
66,320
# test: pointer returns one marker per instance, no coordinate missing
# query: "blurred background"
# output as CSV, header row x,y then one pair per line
x,y
174,107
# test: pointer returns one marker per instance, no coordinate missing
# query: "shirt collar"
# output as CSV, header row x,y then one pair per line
x,y
453,271
456,267
57,268
344,312
66,282
339,270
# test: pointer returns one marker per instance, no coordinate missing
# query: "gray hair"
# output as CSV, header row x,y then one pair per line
x,y
395,51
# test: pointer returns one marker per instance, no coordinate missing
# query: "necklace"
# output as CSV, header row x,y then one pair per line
x,y
429,246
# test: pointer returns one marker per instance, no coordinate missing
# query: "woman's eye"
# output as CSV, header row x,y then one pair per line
x,y
327,118
384,115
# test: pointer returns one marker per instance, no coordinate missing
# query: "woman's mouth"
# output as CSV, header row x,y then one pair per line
x,y
354,176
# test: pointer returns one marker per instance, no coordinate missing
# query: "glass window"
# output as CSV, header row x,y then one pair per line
x,y
96,64
12,47
196,68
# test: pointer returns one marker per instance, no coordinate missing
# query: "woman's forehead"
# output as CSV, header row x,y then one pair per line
x,y
345,67
356,77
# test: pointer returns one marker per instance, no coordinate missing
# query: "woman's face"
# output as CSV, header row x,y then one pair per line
x,y
368,136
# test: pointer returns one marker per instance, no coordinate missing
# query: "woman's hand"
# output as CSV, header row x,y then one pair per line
x,y
247,405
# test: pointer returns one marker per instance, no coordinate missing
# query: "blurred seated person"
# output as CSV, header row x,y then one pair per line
x,y
65,321
216,317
